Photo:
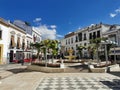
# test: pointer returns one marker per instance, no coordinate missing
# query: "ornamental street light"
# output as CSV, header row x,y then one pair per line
x,y
106,54
114,43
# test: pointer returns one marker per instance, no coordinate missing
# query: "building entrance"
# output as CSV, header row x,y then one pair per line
x,y
1,53
11,55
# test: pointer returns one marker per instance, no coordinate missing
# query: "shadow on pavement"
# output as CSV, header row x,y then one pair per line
x,y
19,70
114,85
78,68
115,73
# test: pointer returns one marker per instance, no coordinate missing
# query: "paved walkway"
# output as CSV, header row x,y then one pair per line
x,y
10,69
79,83
29,80
60,81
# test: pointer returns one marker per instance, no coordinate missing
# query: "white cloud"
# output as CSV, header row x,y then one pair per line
x,y
37,20
53,26
69,32
112,15
92,25
48,32
117,10
79,28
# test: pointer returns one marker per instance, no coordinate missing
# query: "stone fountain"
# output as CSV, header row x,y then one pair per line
x,y
70,57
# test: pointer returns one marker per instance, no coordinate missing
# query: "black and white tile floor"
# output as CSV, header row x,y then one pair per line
x,y
79,83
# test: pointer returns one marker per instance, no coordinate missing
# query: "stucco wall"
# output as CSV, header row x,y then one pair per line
x,y
4,41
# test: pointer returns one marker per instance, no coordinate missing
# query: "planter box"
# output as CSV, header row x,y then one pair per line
x,y
54,65
71,61
113,67
45,69
97,70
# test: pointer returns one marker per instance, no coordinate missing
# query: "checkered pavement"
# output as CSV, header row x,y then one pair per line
x,y
79,83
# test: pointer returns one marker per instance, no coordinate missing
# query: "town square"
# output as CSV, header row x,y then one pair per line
x,y
59,45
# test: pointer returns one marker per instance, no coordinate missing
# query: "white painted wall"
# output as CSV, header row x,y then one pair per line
x,y
4,41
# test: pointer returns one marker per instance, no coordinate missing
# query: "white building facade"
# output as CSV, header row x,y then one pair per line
x,y
113,36
12,41
15,40
4,31
29,38
83,36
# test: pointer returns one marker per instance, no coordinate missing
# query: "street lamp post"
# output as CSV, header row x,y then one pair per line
x,y
45,56
32,56
114,51
106,56
61,57
114,55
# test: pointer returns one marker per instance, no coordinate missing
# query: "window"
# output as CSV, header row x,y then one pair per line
x,y
66,42
66,49
0,34
72,48
18,43
28,45
71,40
23,44
98,34
76,39
94,35
34,38
80,36
90,36
84,36
76,46
12,42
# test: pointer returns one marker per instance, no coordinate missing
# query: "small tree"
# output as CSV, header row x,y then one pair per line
x,y
54,47
37,46
80,49
96,43
91,51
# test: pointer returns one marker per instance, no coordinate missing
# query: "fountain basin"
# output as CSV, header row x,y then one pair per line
x,y
70,57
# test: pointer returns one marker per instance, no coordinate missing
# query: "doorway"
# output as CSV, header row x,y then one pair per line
x,y
1,53
11,55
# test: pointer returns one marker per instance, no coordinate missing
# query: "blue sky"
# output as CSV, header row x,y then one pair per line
x,y
61,16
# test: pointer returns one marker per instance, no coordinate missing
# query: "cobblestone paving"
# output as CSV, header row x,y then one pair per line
x,y
79,83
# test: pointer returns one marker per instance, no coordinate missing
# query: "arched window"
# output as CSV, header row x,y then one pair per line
x,y
18,43
23,44
12,42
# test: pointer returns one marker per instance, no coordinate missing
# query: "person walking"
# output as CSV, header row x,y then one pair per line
x,y
22,59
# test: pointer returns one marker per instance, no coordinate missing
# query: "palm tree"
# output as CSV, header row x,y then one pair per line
x,y
46,45
37,46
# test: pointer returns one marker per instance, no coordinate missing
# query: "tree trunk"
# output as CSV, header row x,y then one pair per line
x,y
98,61
52,58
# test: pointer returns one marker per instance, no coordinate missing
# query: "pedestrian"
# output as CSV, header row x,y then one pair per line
x,y
22,59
